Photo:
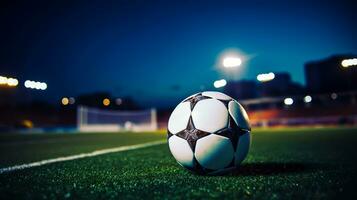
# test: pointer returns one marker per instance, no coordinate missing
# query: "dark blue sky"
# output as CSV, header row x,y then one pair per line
x,y
145,49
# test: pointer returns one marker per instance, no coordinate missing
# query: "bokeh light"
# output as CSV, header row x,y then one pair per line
x,y
12,82
65,101
118,101
71,100
307,99
8,81
349,62
229,62
334,96
35,85
288,101
220,83
106,102
3,80
266,77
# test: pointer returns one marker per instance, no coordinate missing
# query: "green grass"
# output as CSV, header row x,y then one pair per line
x,y
25,148
282,164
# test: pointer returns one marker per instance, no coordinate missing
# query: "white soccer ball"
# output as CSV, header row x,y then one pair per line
x,y
209,133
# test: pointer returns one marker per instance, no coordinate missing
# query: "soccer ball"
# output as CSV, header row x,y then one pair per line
x,y
209,133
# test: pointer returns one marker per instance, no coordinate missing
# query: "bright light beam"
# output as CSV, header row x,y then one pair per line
x,y
288,101
65,101
11,82
106,102
231,62
349,62
220,83
307,99
35,85
266,77
3,80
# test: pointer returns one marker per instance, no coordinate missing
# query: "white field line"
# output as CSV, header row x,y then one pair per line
x,y
79,156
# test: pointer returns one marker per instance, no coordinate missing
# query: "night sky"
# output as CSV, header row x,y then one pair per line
x,y
160,51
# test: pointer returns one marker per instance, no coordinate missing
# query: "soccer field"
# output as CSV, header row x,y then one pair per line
x,y
290,163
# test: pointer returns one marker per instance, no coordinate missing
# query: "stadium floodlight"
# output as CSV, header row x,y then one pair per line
x,y
220,83
349,62
65,101
28,84
307,99
3,80
35,85
288,101
106,102
43,86
266,77
11,82
231,62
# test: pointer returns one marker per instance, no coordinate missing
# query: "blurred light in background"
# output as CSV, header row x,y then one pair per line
x,y
71,100
65,101
220,83
35,85
11,82
266,77
28,84
349,62
106,102
118,101
307,99
3,80
288,101
44,86
27,123
230,62
231,58
333,96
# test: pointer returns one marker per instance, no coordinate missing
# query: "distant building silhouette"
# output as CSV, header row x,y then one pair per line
x,y
243,89
328,75
281,85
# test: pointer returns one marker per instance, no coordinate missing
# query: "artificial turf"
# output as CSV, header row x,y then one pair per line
x,y
24,148
282,164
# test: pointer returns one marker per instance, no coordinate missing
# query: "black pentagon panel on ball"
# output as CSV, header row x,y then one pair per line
x,y
191,134
169,134
193,100
232,132
225,102
199,169
233,125
242,132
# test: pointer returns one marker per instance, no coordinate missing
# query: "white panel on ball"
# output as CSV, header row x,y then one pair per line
x,y
214,152
242,148
210,115
239,115
181,151
216,95
179,117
